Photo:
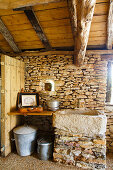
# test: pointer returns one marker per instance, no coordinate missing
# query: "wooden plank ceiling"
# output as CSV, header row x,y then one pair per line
x,y
54,20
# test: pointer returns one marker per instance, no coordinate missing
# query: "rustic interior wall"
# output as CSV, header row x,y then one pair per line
x,y
74,86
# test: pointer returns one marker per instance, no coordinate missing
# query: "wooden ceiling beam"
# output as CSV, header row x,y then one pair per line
x,y
37,27
84,11
38,53
104,53
8,37
11,4
73,17
110,26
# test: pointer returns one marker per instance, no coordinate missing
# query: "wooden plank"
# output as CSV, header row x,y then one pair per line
x,y
18,75
55,23
52,14
44,24
8,12
13,80
101,9
5,105
60,4
99,42
11,4
58,30
4,31
99,18
7,100
6,48
22,73
102,38
17,19
29,45
101,33
44,113
85,10
13,99
110,26
62,43
37,27
25,35
98,26
60,36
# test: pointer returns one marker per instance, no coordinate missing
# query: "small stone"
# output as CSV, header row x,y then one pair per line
x,y
57,155
76,153
111,144
111,128
101,142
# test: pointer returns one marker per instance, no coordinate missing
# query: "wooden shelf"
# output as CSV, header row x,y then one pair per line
x,y
44,113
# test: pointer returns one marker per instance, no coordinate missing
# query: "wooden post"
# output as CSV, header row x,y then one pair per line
x,y
110,26
84,11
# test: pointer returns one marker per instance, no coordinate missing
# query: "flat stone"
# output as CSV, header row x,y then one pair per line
x,y
111,128
101,142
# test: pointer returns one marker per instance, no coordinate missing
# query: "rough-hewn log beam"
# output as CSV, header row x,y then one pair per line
x,y
85,10
110,26
37,27
73,16
5,32
38,53
106,54
11,4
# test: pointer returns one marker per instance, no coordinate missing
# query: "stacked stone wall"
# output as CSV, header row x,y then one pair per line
x,y
109,131
80,150
74,86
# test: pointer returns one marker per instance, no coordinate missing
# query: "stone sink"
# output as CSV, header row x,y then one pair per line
x,y
80,121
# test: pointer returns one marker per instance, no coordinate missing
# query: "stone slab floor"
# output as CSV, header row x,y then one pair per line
x,y
15,162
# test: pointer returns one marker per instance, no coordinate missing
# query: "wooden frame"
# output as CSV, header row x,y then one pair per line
x,y
33,96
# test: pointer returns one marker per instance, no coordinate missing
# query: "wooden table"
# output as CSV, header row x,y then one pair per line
x,y
44,113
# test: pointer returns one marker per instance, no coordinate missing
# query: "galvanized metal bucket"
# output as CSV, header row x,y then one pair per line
x,y
25,140
44,149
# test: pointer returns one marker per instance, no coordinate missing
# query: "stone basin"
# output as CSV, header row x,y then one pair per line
x,y
80,121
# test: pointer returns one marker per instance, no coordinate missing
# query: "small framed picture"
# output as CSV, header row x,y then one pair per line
x,y
28,99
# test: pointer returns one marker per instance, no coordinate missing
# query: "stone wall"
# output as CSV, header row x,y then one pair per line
x,y
74,86
80,150
80,138
109,131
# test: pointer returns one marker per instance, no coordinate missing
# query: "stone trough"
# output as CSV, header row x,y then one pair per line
x,y
80,121
80,138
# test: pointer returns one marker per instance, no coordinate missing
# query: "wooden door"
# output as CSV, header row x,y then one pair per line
x,y
12,75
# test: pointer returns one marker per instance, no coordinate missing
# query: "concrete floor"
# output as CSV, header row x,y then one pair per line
x,y
15,162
